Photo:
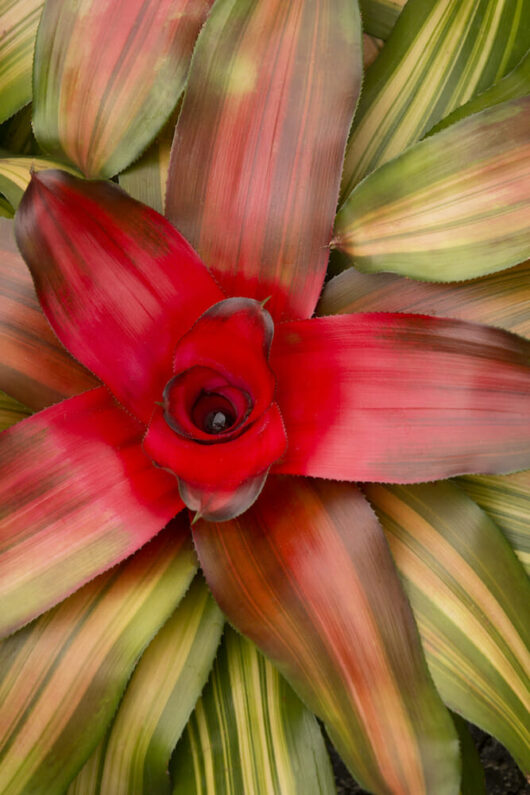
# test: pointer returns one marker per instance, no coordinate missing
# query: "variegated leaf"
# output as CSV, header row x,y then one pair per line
x,y
18,28
452,207
250,733
62,676
469,594
440,54
107,76
380,16
15,174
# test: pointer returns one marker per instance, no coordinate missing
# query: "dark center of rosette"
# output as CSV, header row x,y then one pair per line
x,y
213,413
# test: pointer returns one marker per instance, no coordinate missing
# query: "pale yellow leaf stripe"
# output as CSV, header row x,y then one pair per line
x,y
446,51
18,28
15,174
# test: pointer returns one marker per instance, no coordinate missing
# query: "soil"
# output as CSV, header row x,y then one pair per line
x,y
503,777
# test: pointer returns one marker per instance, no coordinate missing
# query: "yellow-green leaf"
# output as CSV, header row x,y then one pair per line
x,y
470,596
507,500
439,55
380,16
250,734
15,174
61,677
11,411
18,28
452,207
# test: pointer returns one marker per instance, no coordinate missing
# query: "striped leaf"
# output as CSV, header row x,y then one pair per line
x,y
507,500
63,676
514,86
107,77
161,696
440,54
11,411
469,593
258,148
18,28
452,207
15,174
500,299
306,574
88,780
250,733
380,16
34,367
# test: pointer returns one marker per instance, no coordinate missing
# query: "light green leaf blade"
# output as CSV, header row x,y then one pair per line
x,y
467,590
15,174
63,675
11,411
161,696
507,500
454,206
250,733
88,780
380,16
439,55
18,27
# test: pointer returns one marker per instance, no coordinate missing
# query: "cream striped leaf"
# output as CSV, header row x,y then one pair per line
x,y
507,500
454,206
15,174
380,16
63,675
88,780
18,28
440,54
250,733
469,594
11,411
161,696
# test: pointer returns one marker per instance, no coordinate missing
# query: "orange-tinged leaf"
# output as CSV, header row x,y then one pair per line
x,y
61,678
34,367
258,147
470,595
107,76
499,299
306,574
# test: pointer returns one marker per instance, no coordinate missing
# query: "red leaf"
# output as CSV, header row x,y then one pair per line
x,y
258,148
401,398
117,282
78,495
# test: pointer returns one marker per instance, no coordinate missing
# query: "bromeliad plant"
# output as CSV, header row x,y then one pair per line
x,y
209,399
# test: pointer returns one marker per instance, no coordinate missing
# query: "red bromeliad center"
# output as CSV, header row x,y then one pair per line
x,y
218,422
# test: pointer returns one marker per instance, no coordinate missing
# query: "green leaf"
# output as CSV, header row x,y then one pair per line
x,y
107,76
469,594
16,134
250,733
62,676
440,54
19,20
11,411
307,575
6,211
15,174
473,780
507,500
500,299
380,16
159,700
454,206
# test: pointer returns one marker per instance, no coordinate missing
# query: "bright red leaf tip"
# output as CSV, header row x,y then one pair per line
x,y
218,429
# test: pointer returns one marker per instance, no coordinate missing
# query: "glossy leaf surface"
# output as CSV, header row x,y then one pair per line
x,y
62,677
19,20
160,697
117,282
500,299
440,54
250,733
468,593
258,147
34,368
306,574
401,398
11,411
107,77
78,495
507,500
453,207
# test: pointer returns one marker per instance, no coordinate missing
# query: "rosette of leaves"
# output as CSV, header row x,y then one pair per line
x,y
294,441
